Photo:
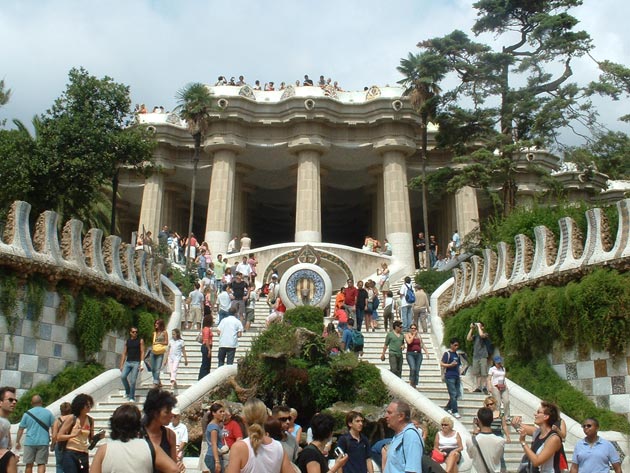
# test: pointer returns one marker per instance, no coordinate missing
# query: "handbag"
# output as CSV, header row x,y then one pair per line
x,y
438,456
199,338
158,348
501,387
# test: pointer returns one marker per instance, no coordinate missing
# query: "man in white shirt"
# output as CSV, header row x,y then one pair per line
x,y
485,446
244,268
229,329
181,432
231,248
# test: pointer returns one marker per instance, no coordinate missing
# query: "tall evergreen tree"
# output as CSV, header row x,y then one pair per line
x,y
513,96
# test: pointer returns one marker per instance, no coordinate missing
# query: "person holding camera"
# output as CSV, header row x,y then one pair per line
x,y
312,459
480,355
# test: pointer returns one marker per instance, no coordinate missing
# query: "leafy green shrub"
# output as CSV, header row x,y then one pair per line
x,y
118,317
523,220
35,296
66,304
543,381
66,381
431,280
8,299
311,318
145,322
89,327
592,313
322,386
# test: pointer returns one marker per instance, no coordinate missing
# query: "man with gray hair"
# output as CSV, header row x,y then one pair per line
x,y
37,422
405,451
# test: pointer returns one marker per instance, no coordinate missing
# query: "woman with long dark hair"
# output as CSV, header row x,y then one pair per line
x,y
206,346
158,408
158,349
127,451
77,431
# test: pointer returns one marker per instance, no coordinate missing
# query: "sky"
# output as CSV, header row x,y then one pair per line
x,y
158,46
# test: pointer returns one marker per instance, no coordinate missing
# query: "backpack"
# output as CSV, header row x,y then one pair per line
x,y
410,296
357,338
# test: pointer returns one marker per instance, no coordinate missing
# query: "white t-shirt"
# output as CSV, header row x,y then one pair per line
x,y
229,328
176,348
403,290
244,268
498,375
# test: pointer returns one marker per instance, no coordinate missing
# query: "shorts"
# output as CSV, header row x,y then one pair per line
x,y
195,315
36,454
249,315
479,367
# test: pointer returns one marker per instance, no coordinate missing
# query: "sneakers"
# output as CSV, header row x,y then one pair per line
x,y
477,390
456,415
485,391
449,411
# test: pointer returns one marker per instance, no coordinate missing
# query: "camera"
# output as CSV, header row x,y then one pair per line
x,y
339,452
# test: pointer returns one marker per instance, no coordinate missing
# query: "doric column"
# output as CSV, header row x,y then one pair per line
x,y
466,210
396,199
378,205
168,207
308,203
151,210
219,220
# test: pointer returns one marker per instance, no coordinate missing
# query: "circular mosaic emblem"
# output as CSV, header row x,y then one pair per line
x,y
305,284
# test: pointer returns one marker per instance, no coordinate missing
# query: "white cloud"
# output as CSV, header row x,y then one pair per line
x,y
157,46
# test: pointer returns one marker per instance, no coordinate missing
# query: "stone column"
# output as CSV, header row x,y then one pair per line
x,y
219,221
237,213
308,199
466,211
396,201
151,209
168,208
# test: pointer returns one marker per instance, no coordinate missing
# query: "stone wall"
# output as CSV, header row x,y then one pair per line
x,y
532,263
41,347
606,381
37,351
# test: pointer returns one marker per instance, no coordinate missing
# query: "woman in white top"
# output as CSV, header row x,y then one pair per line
x,y
176,350
498,386
258,453
449,442
126,452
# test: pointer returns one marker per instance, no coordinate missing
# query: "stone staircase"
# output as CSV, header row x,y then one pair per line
x,y
430,383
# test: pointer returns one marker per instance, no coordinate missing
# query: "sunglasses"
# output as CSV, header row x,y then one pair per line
x,y
446,425
490,404
11,399
134,331
284,419
413,328
587,426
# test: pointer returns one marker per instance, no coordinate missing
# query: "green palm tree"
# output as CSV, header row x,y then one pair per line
x,y
195,106
422,72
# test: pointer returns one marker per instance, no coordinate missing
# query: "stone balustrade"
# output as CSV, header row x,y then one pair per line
x,y
106,265
533,262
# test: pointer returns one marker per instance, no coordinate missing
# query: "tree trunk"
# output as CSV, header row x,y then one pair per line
x,y
193,186
112,221
425,210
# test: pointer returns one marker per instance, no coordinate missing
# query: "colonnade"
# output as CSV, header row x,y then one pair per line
x,y
225,215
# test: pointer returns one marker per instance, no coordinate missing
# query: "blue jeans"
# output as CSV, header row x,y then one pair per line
x,y
359,321
406,314
204,369
223,351
222,314
156,366
58,459
210,462
129,377
453,386
414,359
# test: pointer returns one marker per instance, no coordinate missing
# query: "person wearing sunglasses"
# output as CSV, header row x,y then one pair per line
x,y
8,401
130,363
594,454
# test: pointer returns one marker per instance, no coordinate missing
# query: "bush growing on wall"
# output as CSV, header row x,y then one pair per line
x,y
431,280
593,313
308,317
89,326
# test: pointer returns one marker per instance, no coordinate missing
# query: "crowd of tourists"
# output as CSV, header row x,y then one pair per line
x,y
270,86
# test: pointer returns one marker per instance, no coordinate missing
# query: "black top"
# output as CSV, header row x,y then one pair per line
x,y
238,289
421,244
362,296
312,454
4,461
133,349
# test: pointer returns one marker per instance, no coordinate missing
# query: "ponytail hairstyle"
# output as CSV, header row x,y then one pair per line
x,y
255,414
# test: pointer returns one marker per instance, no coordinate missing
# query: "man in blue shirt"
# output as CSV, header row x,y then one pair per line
x,y
356,445
594,454
451,363
37,422
405,451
